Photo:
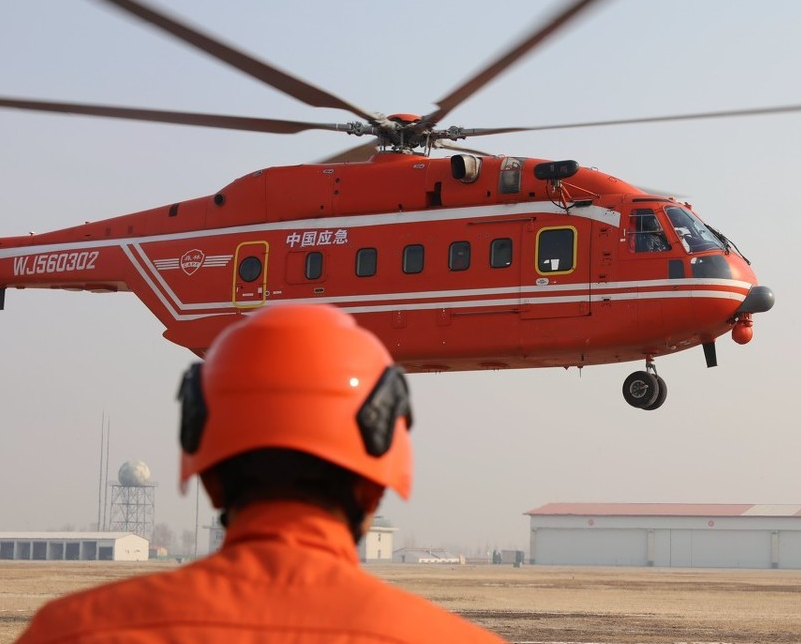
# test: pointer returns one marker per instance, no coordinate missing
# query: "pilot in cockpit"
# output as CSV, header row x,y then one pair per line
x,y
649,236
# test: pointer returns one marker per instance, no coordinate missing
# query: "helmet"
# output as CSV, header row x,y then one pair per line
x,y
300,377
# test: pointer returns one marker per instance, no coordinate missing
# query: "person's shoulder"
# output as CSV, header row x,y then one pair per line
x,y
421,619
102,607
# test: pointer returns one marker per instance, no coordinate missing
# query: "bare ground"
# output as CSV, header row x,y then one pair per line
x,y
528,604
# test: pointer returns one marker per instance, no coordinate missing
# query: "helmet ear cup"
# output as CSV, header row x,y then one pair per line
x,y
388,401
193,408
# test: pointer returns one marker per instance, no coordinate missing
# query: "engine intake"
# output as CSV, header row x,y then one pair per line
x,y
465,167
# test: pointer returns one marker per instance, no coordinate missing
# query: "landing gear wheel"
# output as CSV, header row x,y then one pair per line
x,y
641,389
660,396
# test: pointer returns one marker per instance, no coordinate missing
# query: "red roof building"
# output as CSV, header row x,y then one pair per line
x,y
666,535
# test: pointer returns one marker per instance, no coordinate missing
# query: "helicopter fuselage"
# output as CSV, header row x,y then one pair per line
x,y
458,263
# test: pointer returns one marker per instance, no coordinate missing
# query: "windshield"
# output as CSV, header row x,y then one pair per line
x,y
692,232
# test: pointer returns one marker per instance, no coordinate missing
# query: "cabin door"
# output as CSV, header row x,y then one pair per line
x,y
556,270
250,274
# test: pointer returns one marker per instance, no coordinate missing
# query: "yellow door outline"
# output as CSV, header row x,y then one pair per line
x,y
245,293
574,257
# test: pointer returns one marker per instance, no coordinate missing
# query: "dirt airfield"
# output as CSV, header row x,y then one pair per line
x,y
530,604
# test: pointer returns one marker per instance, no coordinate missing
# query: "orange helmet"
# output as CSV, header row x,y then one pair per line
x,y
301,377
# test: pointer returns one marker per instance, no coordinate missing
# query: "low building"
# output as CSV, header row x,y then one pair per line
x,y
73,546
666,535
216,534
376,545
514,557
426,556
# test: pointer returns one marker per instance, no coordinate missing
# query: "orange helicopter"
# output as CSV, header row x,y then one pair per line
x,y
467,262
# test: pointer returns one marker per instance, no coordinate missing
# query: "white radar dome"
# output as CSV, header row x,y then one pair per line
x,y
134,474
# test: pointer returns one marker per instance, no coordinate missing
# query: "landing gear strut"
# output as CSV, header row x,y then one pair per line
x,y
645,389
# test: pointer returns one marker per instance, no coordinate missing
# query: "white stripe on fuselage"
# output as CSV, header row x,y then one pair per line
x,y
378,302
494,298
611,217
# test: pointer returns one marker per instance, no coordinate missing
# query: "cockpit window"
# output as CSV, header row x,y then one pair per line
x,y
692,232
647,232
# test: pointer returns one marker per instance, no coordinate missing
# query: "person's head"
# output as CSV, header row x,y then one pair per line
x,y
297,402
650,224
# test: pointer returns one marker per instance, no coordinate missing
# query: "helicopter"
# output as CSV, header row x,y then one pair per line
x,y
469,262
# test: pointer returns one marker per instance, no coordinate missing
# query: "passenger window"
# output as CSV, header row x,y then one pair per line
x,y
413,257
250,269
459,256
314,266
501,253
647,232
556,250
366,262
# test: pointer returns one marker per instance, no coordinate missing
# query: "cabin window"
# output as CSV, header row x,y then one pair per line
x,y
413,258
314,266
501,253
250,269
646,231
509,177
366,262
459,256
556,250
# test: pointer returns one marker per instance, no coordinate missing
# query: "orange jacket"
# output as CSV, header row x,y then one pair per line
x,y
287,572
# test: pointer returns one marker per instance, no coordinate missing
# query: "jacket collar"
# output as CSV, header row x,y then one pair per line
x,y
295,524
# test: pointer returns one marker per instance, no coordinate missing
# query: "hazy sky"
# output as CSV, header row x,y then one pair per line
x,y
489,446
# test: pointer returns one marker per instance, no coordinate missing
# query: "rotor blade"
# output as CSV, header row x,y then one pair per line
x,y
245,123
755,111
463,133
360,153
695,116
472,85
659,191
445,145
272,76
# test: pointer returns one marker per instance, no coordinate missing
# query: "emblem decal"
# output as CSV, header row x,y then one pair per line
x,y
192,260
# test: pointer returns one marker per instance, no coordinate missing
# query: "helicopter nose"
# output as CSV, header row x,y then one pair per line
x,y
759,300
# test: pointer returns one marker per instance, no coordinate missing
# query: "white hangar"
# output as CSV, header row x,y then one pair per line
x,y
666,535
73,546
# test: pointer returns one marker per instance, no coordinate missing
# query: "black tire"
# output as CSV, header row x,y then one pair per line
x,y
660,396
640,389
